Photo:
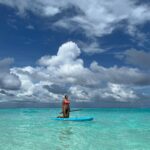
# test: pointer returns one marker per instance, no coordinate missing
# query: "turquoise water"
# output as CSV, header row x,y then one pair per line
x,y
112,129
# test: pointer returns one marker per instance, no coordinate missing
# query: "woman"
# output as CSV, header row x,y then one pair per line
x,y
65,107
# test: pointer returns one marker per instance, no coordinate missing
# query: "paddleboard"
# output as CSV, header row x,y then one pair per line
x,y
74,119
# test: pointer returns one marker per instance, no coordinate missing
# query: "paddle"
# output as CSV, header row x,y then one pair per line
x,y
72,110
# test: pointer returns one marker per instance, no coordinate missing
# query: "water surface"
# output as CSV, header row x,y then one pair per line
x,y
111,129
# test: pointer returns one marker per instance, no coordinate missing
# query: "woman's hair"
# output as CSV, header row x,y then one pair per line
x,y
66,96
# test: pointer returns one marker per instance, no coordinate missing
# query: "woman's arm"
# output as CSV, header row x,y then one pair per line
x,y
69,108
62,106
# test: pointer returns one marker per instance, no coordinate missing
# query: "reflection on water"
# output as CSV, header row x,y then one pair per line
x,y
65,137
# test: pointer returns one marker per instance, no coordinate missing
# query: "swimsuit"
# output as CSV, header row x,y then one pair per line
x,y
66,102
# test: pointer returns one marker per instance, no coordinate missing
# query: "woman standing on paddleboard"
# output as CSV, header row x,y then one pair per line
x,y
65,107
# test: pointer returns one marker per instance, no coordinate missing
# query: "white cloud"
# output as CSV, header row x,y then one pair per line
x,y
98,17
65,73
50,11
101,17
79,93
67,53
120,92
95,18
39,7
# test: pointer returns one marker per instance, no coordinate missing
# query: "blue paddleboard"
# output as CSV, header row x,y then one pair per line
x,y
74,119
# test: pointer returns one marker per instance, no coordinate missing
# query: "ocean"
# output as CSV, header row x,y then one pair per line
x,y
111,129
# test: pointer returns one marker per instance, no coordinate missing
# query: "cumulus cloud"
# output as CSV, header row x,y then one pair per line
x,y
67,53
65,69
137,58
8,80
65,73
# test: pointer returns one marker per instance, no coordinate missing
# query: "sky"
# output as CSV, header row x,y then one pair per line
x,y
95,51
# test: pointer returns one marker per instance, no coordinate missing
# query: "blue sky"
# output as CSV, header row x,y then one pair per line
x,y
97,52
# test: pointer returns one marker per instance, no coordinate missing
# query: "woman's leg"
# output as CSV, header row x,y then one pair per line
x,y
67,113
